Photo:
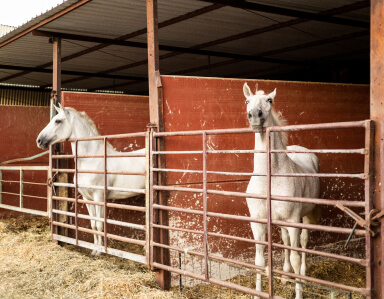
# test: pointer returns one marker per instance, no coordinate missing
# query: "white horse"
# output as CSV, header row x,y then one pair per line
x,y
261,115
71,124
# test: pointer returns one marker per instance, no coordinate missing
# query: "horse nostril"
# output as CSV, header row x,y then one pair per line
x,y
38,141
260,113
249,115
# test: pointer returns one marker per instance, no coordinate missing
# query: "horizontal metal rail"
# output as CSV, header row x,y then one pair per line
x,y
116,136
314,151
111,251
24,168
316,175
120,155
97,171
319,201
24,210
95,203
291,128
139,191
110,221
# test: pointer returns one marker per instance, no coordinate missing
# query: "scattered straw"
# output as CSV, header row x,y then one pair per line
x,y
32,266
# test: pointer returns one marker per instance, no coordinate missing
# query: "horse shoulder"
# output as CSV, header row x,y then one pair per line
x,y
308,162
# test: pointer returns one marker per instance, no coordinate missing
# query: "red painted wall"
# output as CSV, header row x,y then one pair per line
x,y
19,127
212,103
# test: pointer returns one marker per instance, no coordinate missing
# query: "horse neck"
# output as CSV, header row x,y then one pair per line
x,y
276,143
81,129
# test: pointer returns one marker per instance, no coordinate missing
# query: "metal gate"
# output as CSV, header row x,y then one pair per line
x,y
20,194
68,221
155,187
206,257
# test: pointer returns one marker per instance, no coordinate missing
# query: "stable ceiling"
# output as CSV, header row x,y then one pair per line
x,y
104,42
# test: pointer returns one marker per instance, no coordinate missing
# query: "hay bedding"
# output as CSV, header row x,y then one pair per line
x,y
32,266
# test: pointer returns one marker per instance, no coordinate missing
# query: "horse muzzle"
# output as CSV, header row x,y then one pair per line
x,y
42,142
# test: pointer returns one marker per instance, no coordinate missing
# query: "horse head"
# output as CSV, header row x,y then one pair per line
x,y
58,129
259,107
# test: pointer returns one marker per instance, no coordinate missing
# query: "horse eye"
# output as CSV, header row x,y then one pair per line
x,y
58,121
247,102
270,101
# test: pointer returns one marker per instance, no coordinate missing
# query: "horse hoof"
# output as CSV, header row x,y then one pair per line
x,y
96,253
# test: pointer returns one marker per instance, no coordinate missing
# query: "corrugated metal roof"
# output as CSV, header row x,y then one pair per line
x,y
4,29
298,46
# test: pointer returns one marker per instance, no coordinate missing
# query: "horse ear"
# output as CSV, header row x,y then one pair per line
x,y
247,91
57,108
271,96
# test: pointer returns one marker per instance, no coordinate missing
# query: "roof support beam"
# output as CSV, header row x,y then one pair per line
x,y
290,12
164,47
70,73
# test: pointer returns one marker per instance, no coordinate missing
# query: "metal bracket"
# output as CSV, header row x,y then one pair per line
x,y
360,221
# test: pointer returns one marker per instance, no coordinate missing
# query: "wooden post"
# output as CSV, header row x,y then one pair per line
x,y
161,255
377,115
55,100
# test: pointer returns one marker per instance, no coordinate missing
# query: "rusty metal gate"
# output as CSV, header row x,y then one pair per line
x,y
20,189
206,257
155,187
68,222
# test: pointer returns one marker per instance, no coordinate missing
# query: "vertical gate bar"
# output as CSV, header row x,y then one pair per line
x,y
1,185
269,209
21,188
52,205
76,196
205,221
151,195
147,194
368,189
105,196
49,194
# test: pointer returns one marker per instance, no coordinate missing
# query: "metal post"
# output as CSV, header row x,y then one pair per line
x,y
21,188
368,170
377,115
76,195
163,278
269,209
148,158
105,196
1,186
205,221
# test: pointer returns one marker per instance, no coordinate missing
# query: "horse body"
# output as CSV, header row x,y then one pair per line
x,y
261,115
70,124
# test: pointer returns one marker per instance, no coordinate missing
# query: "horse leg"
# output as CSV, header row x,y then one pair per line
x,y
99,197
304,241
294,235
259,233
287,265
92,213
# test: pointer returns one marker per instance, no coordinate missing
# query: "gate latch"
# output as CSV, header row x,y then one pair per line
x,y
373,219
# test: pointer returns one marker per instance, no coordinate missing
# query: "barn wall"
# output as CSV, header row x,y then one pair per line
x,y
19,127
114,114
212,103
